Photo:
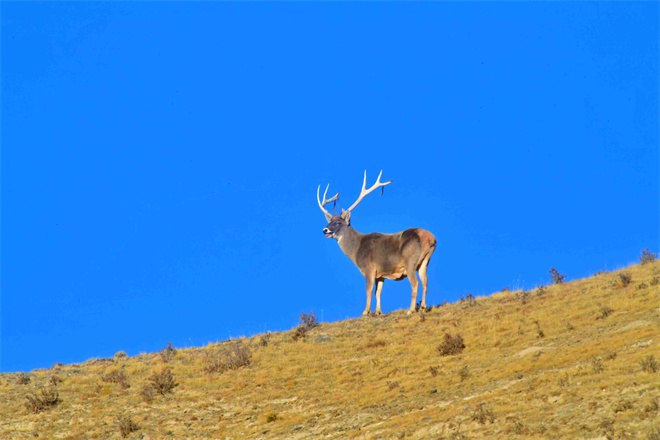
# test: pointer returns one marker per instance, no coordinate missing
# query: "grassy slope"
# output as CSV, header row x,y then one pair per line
x,y
581,378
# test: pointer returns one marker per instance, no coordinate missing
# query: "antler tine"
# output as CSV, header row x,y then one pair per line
x,y
366,191
325,202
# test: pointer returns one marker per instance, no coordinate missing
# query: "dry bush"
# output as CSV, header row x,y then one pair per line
x,y
163,382
433,371
649,364
147,393
557,278
265,339
468,300
307,322
44,399
647,256
23,379
126,425
120,355
451,345
655,281
624,279
168,352
233,357
118,377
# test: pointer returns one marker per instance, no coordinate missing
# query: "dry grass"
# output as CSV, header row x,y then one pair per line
x,y
590,376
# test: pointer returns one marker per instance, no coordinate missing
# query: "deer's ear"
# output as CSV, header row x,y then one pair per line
x,y
346,215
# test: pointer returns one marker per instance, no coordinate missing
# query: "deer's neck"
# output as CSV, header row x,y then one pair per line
x,y
349,241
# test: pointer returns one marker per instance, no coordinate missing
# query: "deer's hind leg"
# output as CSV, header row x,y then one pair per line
x,y
414,284
424,278
379,288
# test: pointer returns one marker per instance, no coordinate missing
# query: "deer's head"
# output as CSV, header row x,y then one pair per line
x,y
338,223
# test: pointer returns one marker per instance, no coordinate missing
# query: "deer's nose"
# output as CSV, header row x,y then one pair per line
x,y
326,230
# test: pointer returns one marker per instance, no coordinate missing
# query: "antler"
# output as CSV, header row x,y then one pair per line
x,y
366,191
325,202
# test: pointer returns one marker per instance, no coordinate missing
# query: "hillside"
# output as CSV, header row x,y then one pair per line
x,y
577,360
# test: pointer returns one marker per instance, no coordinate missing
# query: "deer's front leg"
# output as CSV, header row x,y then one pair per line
x,y
370,290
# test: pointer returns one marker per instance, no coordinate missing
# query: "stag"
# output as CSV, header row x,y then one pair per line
x,y
380,256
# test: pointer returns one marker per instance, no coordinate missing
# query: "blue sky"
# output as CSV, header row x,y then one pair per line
x,y
160,160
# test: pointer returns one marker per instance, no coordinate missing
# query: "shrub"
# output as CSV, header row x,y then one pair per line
x,y
655,281
433,371
23,379
271,417
163,382
168,352
307,322
233,357
557,278
649,364
118,377
647,256
126,425
147,393
44,399
624,279
451,345
468,300
120,355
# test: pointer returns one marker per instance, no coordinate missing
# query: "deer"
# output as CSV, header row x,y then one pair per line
x,y
380,256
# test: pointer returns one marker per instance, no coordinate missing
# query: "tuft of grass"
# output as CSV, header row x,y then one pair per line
x,y
451,345
433,370
42,400
483,414
649,364
163,382
597,365
557,278
271,417
233,357
463,372
605,311
126,425
647,256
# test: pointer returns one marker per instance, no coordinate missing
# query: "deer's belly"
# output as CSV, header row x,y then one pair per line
x,y
398,273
